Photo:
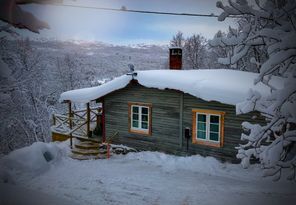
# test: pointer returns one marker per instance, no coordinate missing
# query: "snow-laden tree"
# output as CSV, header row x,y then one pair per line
x,y
226,45
69,72
216,51
25,108
13,15
272,24
178,40
195,51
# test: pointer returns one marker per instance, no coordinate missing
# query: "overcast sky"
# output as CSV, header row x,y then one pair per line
x,y
127,28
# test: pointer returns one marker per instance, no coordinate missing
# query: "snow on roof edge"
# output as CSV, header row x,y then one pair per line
x,y
85,95
222,85
175,47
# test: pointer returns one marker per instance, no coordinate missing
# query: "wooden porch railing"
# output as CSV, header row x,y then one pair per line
x,y
78,122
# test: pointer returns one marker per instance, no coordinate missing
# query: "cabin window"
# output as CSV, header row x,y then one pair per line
x,y
140,118
208,127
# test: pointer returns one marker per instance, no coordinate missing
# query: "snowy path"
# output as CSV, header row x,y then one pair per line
x,y
156,178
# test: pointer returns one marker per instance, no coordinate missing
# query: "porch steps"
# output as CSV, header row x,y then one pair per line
x,y
86,157
88,150
85,151
88,145
87,139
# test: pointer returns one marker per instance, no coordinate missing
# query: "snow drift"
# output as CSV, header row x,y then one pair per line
x,y
33,160
142,178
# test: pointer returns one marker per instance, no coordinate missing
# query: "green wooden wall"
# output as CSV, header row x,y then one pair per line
x,y
166,121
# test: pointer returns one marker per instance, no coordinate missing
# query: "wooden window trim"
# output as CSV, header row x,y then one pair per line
x,y
142,132
195,140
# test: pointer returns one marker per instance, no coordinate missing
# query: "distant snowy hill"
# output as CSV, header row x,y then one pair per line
x,y
107,60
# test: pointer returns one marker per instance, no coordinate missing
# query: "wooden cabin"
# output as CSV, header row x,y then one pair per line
x,y
156,120
158,110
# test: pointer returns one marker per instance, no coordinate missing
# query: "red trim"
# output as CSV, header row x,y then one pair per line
x,y
103,121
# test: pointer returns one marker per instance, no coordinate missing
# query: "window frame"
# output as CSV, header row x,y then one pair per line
x,y
207,141
139,130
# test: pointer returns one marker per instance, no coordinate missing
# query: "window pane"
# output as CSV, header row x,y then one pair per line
x,y
135,109
214,127
144,110
201,134
135,117
201,126
135,123
145,118
201,118
214,136
144,125
214,119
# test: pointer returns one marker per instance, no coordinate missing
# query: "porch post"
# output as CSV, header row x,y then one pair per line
x,y
70,122
103,121
99,117
181,120
88,119
54,119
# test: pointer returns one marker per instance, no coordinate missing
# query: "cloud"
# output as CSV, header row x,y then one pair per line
x,y
123,28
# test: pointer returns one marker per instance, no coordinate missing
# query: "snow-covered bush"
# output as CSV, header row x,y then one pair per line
x,y
272,24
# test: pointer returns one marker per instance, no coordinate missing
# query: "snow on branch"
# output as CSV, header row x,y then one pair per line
x,y
240,7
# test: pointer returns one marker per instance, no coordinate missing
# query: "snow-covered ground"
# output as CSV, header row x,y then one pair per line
x,y
136,178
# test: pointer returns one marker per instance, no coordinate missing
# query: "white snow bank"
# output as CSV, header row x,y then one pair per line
x,y
32,160
146,178
225,86
195,163
4,69
16,195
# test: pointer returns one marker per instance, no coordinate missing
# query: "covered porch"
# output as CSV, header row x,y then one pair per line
x,y
85,129
83,124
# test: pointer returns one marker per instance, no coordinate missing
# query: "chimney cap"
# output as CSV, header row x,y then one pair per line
x,y
175,47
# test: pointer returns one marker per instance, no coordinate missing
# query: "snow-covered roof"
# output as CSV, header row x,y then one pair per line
x,y
225,86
